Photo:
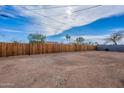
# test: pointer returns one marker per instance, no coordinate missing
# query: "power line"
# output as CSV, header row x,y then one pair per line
x,y
31,22
50,26
86,8
58,15
55,7
37,14
3,15
44,16
54,19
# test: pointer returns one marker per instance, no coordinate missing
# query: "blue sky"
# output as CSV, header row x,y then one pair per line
x,y
13,26
94,25
100,28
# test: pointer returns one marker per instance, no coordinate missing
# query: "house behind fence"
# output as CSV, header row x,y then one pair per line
x,y
118,48
14,49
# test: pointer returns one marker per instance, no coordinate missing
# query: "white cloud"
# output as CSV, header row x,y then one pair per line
x,y
65,15
93,38
15,31
10,30
96,38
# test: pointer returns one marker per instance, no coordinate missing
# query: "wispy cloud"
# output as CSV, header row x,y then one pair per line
x,y
66,16
10,30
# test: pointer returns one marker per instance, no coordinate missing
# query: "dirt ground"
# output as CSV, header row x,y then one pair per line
x,y
72,69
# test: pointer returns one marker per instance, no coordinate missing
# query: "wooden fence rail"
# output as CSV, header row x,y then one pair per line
x,y
14,49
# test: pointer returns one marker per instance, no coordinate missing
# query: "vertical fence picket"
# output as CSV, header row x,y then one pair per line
x,y
14,49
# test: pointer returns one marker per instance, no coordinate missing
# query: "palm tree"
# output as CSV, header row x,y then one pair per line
x,y
68,37
115,37
80,40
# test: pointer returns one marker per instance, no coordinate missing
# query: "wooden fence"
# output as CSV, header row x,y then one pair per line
x,y
14,49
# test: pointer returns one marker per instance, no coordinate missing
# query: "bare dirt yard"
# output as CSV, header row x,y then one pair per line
x,y
72,69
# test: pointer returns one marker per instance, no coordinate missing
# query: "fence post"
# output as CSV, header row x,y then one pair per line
x,y
13,49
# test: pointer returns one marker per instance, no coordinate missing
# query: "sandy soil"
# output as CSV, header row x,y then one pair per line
x,y
79,69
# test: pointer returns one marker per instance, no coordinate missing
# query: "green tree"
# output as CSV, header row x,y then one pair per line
x,y
15,41
35,38
90,43
80,40
68,37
